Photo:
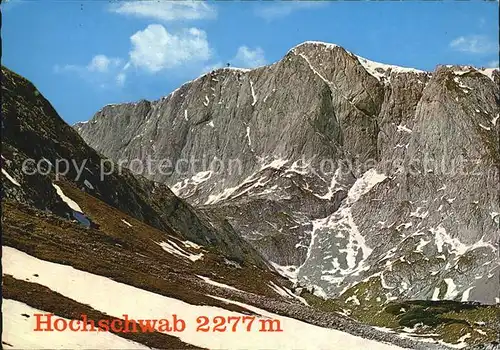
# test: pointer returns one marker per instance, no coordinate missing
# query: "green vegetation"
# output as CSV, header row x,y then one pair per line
x,y
443,320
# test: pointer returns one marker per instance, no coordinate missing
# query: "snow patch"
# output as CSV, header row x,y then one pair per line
x,y
435,295
463,338
189,244
114,299
290,271
494,120
279,290
420,245
314,69
334,186
353,299
18,331
71,203
126,223
364,184
217,284
253,94
88,184
451,291
174,249
464,87
404,128
11,179
342,221
235,69
419,214
248,136
489,72
315,43
233,191
191,183
465,294
451,200
495,216
441,237
277,164
381,70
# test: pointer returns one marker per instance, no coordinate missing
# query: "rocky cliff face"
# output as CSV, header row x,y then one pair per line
x,y
356,178
37,143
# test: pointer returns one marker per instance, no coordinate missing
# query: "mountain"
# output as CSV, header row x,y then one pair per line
x,y
353,177
98,239
88,238
34,135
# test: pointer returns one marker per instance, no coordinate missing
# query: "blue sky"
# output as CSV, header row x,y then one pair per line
x,y
83,55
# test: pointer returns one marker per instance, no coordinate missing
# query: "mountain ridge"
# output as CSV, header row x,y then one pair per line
x,y
321,104
373,66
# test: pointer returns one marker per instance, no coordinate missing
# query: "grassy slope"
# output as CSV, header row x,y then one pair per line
x,y
450,320
126,254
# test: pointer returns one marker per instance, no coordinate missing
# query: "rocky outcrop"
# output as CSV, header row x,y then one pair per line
x,y
339,170
39,148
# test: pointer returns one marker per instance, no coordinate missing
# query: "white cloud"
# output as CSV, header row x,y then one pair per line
x,y
474,44
120,79
102,63
67,67
8,5
493,64
98,63
155,49
101,71
280,9
248,58
211,67
245,58
166,10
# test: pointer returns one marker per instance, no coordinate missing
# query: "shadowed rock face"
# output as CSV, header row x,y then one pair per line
x,y
348,170
33,133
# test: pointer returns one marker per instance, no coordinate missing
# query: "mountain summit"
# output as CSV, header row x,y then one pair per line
x,y
351,172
